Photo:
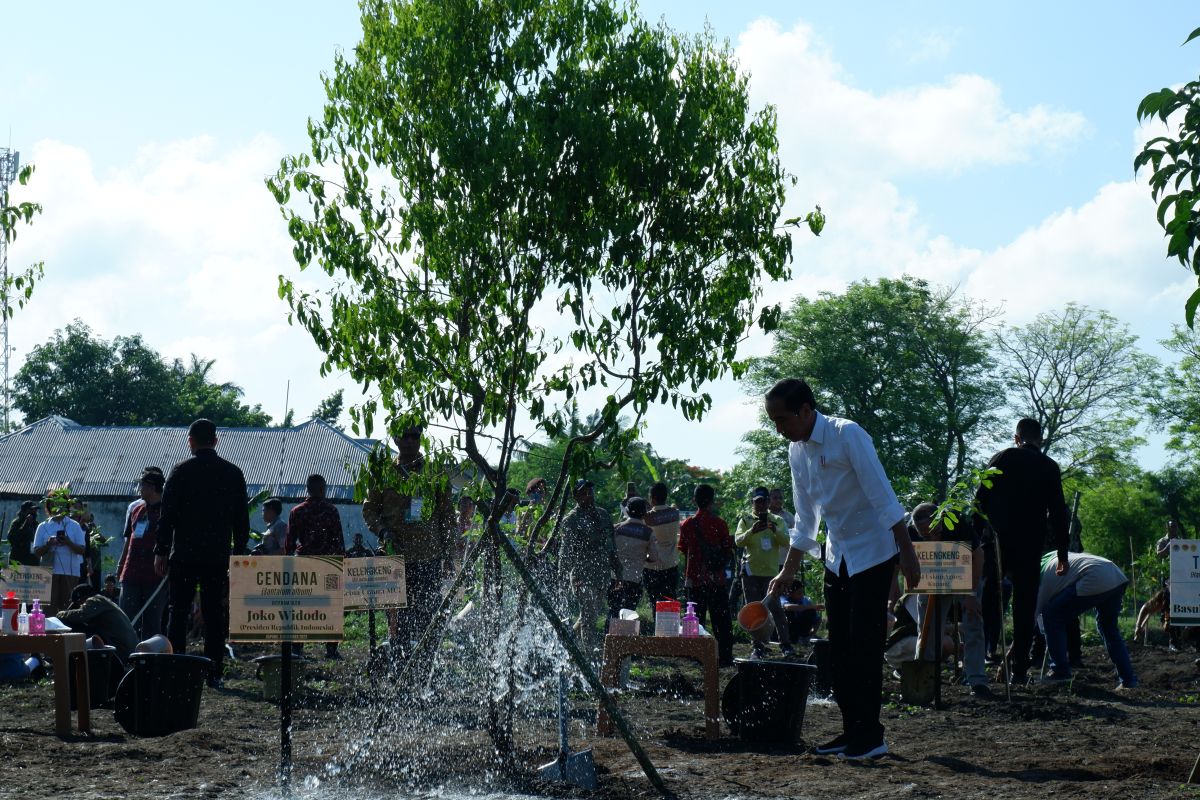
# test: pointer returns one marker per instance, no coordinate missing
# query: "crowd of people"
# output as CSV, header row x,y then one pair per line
x,y
181,531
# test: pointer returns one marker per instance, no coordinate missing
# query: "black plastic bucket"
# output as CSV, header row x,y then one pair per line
x,y
821,657
161,693
771,698
102,663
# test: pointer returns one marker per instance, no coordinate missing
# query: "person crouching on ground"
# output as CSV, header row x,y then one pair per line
x,y
762,534
1089,582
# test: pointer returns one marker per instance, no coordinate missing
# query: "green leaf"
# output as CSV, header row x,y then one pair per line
x,y
1189,309
1191,36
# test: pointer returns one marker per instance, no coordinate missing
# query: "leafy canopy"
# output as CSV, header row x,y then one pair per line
x,y
1174,160
123,382
908,362
521,204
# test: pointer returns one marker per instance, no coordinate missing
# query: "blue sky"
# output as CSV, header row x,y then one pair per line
x,y
976,145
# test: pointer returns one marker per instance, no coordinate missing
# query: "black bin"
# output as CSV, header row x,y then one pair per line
x,y
770,700
102,664
161,693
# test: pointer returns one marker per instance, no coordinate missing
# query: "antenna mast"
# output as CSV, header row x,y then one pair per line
x,y
9,160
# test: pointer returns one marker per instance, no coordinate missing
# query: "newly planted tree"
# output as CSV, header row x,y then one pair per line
x,y
522,203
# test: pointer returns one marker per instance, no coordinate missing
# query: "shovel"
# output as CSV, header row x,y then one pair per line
x,y
577,769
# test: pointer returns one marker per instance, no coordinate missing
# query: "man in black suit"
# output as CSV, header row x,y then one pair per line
x,y
204,520
1026,493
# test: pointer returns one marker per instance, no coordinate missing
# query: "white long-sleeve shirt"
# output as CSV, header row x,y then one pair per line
x,y
836,476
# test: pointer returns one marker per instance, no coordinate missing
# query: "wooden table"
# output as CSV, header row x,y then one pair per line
x,y
64,649
700,648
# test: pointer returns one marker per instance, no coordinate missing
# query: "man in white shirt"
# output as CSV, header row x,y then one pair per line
x,y
60,543
661,576
836,476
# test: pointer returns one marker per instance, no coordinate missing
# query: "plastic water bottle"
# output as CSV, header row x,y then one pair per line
x,y
37,619
8,620
691,625
23,622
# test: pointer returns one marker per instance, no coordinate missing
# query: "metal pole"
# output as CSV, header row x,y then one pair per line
x,y
285,720
1003,637
937,650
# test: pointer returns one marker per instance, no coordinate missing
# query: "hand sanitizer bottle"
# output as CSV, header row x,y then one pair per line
x,y
23,622
37,619
691,625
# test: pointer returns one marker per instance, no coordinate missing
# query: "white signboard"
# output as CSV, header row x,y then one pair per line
x,y
1185,582
28,583
285,598
374,582
945,568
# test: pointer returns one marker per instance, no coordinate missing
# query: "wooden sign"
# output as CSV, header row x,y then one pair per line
x,y
285,599
945,568
374,582
28,583
1185,582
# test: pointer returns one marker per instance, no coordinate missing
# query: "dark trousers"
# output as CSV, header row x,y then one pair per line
x,y
713,601
214,606
661,584
857,617
1023,566
423,594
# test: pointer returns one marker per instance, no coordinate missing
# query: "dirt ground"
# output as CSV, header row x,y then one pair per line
x,y
1085,742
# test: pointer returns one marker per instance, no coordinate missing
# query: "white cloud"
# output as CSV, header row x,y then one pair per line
x,y
923,46
958,124
183,245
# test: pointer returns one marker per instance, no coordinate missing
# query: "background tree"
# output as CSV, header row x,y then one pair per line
x,y
1175,405
1078,372
908,362
1175,161
330,409
123,382
498,183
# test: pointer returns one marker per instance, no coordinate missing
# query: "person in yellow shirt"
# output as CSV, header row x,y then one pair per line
x,y
762,533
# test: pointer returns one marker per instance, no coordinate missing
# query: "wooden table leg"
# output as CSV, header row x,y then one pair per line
x,y
62,686
610,675
83,694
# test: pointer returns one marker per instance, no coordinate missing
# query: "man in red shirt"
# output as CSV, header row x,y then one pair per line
x,y
140,585
315,529
707,547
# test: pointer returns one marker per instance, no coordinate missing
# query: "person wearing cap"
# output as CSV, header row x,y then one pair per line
x,y
585,563
762,533
974,649
661,576
205,519
20,535
60,543
93,614
135,570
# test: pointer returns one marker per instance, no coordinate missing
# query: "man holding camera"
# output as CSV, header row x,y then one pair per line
x,y
60,543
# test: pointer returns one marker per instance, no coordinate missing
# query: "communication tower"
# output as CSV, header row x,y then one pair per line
x,y
9,161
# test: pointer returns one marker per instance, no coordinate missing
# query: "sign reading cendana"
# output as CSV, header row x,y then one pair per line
x,y
374,582
1185,582
27,582
285,599
945,568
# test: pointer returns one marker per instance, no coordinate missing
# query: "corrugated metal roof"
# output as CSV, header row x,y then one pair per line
x,y
107,462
